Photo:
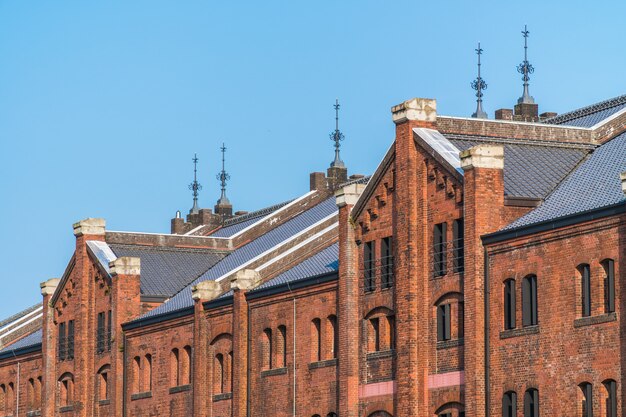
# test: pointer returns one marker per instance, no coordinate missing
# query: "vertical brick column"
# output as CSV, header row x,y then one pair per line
x,y
84,340
484,200
202,364
410,224
348,305
125,306
48,348
243,281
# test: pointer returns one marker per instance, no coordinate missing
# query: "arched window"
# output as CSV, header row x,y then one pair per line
x,y
609,285
391,326
103,383
38,383
379,331
174,368
449,310
609,405
146,374
529,301
10,398
585,289
267,349
30,394
66,390
135,384
333,336
185,368
281,347
230,371
586,400
316,340
509,404
509,304
331,415
218,374
443,322
3,398
531,403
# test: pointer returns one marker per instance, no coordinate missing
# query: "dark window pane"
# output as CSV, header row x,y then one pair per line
x,y
586,290
458,246
531,403
609,286
439,249
386,253
368,266
529,301
509,404
509,304
70,339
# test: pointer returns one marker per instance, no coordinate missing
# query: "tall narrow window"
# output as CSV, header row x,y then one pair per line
x,y
70,339
391,324
62,349
103,383
174,365
230,371
460,319
529,301
334,340
509,404
100,333
611,398
374,339
185,369
609,285
146,373
443,322
268,353
386,254
281,354
135,383
509,304
368,266
439,249
108,337
458,253
585,280
531,403
218,374
586,404
30,394
316,340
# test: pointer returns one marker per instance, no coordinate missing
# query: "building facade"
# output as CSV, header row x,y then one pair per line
x,y
476,272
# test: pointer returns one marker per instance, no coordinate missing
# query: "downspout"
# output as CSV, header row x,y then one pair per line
x,y
294,356
17,406
486,312
248,363
124,354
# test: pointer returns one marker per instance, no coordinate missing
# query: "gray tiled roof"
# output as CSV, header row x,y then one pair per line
x,y
322,262
237,224
590,115
531,170
593,185
240,256
30,340
166,270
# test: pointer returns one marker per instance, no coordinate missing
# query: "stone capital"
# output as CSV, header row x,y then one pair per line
x,y
48,287
483,156
349,195
125,265
206,290
245,280
420,109
89,227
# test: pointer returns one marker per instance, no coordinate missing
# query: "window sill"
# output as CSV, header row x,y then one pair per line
x,y
381,354
446,344
591,320
524,331
272,372
323,364
221,397
180,388
66,409
33,413
104,402
140,395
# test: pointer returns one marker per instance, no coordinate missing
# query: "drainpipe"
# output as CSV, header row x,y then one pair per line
x,y
17,406
248,361
294,357
124,379
487,309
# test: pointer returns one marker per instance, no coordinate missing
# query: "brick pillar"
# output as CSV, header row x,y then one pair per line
x,y
410,223
484,200
243,281
125,306
348,305
48,349
202,386
84,340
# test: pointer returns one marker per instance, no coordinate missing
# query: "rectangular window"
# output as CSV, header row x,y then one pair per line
x,y
529,301
439,249
70,339
100,333
108,338
587,405
586,290
609,286
376,334
368,266
611,401
386,253
509,304
443,322
62,342
458,245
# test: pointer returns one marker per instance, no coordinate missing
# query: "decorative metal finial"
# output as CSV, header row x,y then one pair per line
x,y
479,85
195,186
525,68
337,137
223,177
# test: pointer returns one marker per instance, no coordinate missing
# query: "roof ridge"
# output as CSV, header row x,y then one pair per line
x,y
530,142
20,314
587,110
167,248
256,213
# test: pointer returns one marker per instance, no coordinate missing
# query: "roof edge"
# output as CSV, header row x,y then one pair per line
x,y
293,285
11,353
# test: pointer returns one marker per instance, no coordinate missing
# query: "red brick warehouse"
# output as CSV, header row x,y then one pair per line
x,y
476,272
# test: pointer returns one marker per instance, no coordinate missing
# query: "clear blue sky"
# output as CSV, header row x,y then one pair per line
x,y
102,104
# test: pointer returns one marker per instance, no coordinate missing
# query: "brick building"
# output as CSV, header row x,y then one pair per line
x,y
476,272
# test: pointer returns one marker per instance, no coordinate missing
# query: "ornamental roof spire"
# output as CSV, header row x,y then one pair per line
x,y
337,137
195,186
525,68
479,85
223,177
